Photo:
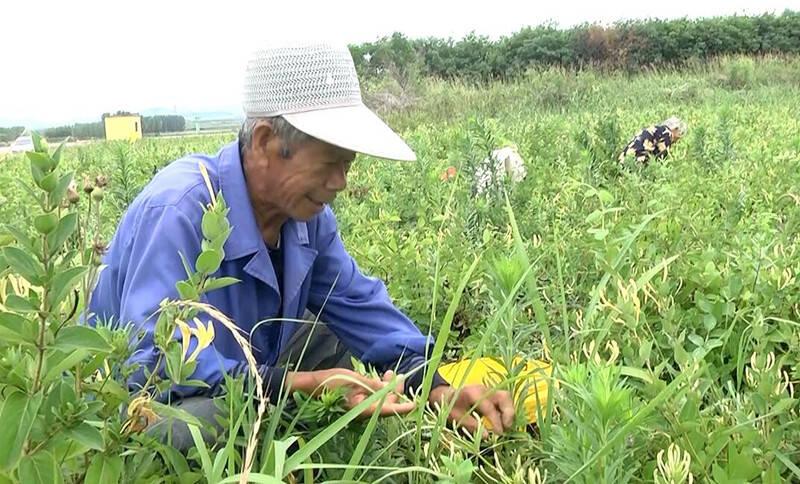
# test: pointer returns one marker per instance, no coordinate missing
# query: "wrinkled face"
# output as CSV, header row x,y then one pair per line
x,y
296,181
676,135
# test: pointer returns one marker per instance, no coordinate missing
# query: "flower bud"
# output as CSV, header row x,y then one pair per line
x,y
72,195
88,188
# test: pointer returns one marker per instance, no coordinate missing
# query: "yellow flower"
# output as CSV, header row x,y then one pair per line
x,y
675,468
204,335
186,336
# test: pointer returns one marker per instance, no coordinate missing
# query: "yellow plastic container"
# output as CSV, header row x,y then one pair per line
x,y
533,378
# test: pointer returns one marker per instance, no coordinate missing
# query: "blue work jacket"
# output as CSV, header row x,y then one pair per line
x,y
143,265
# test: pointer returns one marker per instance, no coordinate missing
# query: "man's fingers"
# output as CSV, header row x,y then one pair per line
x,y
373,384
392,404
502,401
397,408
487,408
389,407
470,423
387,377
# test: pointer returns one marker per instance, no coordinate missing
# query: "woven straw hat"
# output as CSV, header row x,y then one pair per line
x,y
314,87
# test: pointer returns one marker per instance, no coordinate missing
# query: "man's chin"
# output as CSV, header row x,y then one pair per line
x,y
307,214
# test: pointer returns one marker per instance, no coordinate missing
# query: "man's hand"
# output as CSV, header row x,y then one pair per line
x,y
358,388
496,405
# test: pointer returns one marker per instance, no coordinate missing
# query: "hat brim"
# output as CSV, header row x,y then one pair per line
x,y
353,128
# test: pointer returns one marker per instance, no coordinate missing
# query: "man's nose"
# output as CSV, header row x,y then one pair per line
x,y
337,181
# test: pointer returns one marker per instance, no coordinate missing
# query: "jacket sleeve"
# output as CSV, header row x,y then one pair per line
x,y
359,311
143,272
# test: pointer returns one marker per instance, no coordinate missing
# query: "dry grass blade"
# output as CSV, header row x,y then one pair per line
x,y
248,354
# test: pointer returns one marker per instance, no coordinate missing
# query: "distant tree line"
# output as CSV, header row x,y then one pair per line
x,y
628,45
163,124
150,125
8,135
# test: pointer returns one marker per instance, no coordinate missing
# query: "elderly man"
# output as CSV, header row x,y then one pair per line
x,y
654,141
305,123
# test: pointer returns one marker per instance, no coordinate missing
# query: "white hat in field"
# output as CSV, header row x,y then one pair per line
x,y
676,124
314,87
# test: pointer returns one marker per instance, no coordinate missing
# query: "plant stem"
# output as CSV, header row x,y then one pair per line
x,y
44,311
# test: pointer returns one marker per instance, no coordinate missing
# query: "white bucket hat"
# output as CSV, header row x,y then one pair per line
x,y
316,89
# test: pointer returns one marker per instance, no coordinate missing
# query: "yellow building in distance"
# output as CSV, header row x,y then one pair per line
x,y
123,126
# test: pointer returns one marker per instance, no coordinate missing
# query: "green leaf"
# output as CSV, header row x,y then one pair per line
x,y
202,450
57,195
87,435
605,196
14,329
189,272
187,369
645,278
168,411
21,409
186,290
719,474
24,264
21,238
66,226
46,222
788,463
637,373
599,234
174,459
41,161
213,283
81,337
64,364
37,174
19,304
594,216
219,242
208,261
56,156
39,144
48,182
741,465
63,283
6,239
40,468
212,225
194,383
104,469
174,358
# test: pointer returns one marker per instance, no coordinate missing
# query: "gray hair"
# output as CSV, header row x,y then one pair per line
x,y
290,135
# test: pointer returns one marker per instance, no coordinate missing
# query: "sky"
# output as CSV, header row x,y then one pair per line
x,y
66,61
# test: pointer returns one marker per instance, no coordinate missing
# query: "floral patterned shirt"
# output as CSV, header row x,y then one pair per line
x,y
654,141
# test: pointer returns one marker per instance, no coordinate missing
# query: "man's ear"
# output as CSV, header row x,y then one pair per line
x,y
262,134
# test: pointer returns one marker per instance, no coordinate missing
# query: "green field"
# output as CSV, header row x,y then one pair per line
x,y
667,297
